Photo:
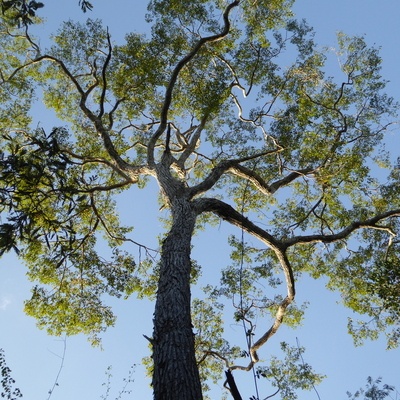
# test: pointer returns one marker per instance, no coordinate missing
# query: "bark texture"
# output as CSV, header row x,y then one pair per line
x,y
175,374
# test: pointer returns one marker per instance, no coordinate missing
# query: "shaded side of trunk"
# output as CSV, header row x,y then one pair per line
x,y
175,375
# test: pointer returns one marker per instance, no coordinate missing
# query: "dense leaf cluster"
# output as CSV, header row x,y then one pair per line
x,y
53,225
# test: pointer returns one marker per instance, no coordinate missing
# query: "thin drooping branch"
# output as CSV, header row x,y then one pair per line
x,y
229,214
56,381
107,229
310,211
280,313
174,77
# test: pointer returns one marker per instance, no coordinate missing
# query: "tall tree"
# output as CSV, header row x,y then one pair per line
x,y
211,108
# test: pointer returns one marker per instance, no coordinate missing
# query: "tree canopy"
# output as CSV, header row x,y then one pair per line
x,y
229,107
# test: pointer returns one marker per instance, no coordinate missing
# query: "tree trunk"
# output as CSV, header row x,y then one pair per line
x,y
175,375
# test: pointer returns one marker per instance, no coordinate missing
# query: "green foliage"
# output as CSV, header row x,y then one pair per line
x,y
230,108
7,382
16,89
290,374
372,391
212,350
71,300
381,287
21,12
52,225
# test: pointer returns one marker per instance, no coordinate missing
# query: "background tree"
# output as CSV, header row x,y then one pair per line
x,y
373,391
230,131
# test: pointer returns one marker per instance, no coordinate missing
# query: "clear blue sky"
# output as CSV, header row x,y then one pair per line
x,y
35,358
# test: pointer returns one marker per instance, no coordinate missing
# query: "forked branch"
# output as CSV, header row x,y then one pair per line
x,y
175,73
234,166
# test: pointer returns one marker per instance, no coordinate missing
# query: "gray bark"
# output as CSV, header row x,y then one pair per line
x,y
175,375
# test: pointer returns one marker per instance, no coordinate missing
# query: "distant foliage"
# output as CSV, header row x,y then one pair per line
x,y
7,382
373,391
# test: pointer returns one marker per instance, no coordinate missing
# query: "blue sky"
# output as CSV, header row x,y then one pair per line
x,y
34,357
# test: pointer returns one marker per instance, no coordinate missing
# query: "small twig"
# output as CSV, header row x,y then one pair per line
x,y
272,395
59,370
302,361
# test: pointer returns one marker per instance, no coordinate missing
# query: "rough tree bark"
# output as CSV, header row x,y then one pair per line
x,y
175,375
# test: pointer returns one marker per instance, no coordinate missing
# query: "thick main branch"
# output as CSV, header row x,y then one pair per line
x,y
229,214
234,167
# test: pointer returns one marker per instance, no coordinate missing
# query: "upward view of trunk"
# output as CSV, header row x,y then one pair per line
x,y
175,375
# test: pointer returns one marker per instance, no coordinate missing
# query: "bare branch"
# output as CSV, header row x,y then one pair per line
x,y
215,355
60,368
189,149
311,211
131,177
290,178
280,313
106,188
111,234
